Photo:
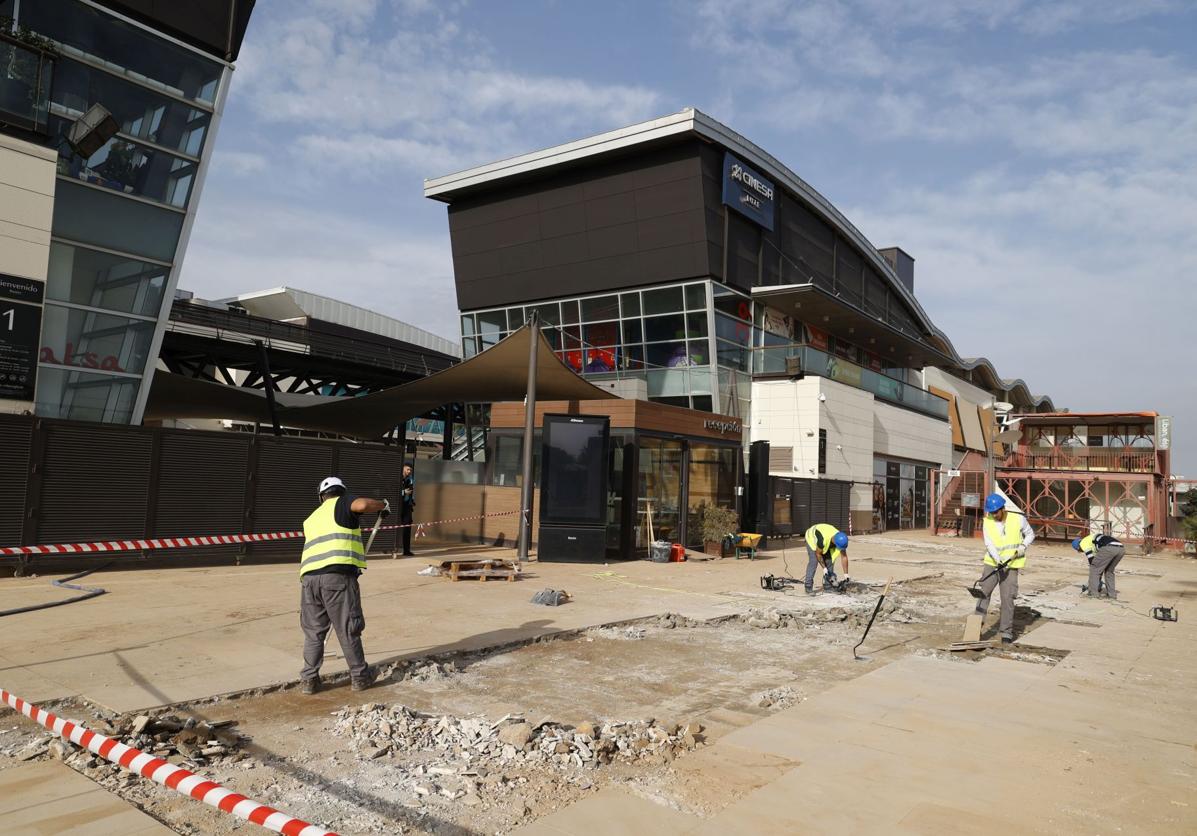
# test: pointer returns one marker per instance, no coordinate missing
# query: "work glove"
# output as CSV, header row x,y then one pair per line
x,y
386,509
845,580
1021,553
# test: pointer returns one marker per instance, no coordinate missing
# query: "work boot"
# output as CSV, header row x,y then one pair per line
x,y
1007,639
367,680
811,591
309,686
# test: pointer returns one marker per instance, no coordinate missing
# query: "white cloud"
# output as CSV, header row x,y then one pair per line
x,y
238,162
240,246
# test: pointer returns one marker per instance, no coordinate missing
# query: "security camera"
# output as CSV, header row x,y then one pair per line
x,y
822,398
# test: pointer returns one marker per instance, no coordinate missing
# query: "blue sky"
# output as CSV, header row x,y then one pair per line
x,y
1037,159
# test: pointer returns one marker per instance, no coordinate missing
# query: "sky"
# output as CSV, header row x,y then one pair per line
x,y
1037,159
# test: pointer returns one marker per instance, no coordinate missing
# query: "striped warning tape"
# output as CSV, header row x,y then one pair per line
x,y
155,543
173,777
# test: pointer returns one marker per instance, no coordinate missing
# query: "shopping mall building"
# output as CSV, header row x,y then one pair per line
x,y
108,115
685,264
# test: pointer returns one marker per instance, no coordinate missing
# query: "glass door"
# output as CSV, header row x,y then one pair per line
x,y
660,491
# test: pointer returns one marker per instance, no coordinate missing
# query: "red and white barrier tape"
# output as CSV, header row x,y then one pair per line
x,y
173,777
155,543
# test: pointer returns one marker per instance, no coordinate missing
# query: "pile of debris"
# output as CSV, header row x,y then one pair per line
x,y
473,742
854,616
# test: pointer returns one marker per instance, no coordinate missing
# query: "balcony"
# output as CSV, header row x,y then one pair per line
x,y
771,361
1088,459
25,73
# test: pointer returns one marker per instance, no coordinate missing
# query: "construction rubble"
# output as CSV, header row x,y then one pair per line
x,y
473,750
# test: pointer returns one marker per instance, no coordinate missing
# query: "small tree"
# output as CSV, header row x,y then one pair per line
x,y
1188,509
717,523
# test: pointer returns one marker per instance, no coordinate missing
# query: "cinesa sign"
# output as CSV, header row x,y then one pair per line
x,y
747,192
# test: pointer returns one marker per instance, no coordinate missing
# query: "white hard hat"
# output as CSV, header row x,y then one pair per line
x,y
330,483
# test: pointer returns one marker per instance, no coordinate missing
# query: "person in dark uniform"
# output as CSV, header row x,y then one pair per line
x,y
1104,553
407,507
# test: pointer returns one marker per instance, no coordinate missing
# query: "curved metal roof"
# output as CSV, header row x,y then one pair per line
x,y
692,121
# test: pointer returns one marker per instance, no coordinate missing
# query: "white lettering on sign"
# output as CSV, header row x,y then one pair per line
x,y
751,181
722,427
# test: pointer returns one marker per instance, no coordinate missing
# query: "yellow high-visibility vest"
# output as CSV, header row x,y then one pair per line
x,y
828,531
1087,544
327,544
1006,537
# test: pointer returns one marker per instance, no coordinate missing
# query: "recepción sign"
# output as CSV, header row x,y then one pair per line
x,y
20,333
747,192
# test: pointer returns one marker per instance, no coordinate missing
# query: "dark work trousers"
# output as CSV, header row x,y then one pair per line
x,y
405,515
1101,569
1007,580
812,563
331,600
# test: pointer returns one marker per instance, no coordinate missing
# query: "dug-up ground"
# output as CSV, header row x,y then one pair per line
x,y
663,698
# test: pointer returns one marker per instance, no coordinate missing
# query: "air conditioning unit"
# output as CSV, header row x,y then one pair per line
x,y
794,368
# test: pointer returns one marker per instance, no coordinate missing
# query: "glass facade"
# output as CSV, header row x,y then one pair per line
x,y
901,495
119,214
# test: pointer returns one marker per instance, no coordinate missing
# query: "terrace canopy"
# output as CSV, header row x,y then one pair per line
x,y
498,374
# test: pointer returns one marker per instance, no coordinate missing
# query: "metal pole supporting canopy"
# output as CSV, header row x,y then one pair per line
x,y
529,427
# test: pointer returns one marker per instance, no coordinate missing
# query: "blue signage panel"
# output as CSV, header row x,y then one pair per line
x,y
747,192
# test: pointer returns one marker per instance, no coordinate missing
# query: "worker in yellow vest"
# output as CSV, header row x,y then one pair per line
x,y
825,544
1007,535
333,557
1104,553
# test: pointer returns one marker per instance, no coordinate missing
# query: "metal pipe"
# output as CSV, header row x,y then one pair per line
x,y
529,427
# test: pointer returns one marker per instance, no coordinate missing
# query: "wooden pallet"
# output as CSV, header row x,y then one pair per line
x,y
481,570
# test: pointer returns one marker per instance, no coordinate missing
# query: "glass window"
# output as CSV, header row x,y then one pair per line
x,y
711,484
469,347
600,359
491,322
25,82
91,216
658,328
702,402
696,297
600,333
550,313
632,332
127,167
599,308
731,355
467,323
72,337
102,280
632,357
85,396
140,112
696,324
730,329
569,311
516,319
123,48
663,300
675,354
630,303
733,304
660,479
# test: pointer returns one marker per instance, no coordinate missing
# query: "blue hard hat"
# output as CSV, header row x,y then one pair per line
x,y
994,502
840,540
1076,544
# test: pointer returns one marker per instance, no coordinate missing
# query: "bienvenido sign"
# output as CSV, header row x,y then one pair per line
x,y
747,192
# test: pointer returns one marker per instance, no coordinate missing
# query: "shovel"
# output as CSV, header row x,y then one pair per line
x,y
872,618
378,525
978,594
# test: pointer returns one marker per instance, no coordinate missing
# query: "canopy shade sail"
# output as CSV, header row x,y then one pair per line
x,y
498,374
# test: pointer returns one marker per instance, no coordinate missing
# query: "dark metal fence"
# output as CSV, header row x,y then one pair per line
x,y
72,482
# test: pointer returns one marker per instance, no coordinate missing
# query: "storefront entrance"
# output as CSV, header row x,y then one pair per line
x,y
901,495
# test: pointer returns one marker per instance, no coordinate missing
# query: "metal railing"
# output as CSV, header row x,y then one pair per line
x,y
779,360
1092,459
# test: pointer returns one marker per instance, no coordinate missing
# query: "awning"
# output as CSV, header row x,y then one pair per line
x,y
816,306
498,374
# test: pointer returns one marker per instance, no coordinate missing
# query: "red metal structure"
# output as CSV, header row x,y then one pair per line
x,y
1075,473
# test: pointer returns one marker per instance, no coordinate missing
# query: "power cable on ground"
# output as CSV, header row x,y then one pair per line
x,y
64,583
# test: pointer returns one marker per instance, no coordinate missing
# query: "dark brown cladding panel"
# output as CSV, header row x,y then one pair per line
x,y
637,220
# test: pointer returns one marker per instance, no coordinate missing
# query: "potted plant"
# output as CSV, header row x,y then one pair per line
x,y
716,523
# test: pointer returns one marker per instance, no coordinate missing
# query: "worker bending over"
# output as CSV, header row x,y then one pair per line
x,y
333,557
825,544
1007,535
1104,553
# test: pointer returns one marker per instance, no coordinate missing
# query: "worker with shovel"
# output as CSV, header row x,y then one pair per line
x,y
333,558
825,544
1104,553
1007,535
